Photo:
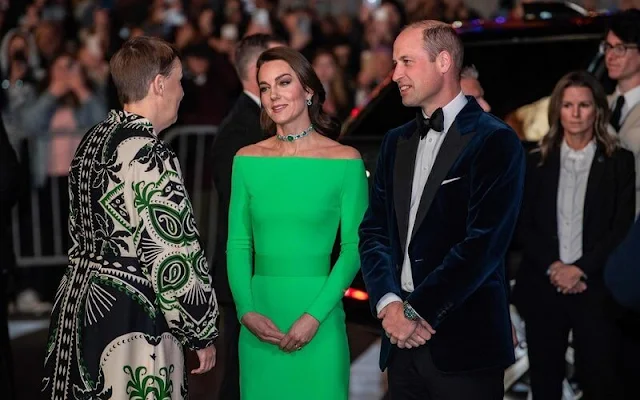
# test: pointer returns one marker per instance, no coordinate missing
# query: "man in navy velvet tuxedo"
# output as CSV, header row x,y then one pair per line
x,y
446,197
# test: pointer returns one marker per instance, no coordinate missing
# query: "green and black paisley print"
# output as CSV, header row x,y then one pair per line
x,y
137,289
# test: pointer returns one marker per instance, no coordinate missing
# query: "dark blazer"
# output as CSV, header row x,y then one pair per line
x,y
462,231
10,175
622,272
608,214
239,129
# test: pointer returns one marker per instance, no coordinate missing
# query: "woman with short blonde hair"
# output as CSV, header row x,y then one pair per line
x,y
137,288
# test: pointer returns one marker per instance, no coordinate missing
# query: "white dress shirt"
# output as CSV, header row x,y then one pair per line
x,y
572,188
631,99
425,157
253,97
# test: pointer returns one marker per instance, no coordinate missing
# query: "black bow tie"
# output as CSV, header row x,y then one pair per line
x,y
436,122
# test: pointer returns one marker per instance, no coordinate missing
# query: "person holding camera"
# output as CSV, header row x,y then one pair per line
x,y
52,122
67,105
19,69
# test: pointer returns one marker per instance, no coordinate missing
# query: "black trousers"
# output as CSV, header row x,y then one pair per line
x,y
6,365
628,323
413,376
230,386
630,371
595,343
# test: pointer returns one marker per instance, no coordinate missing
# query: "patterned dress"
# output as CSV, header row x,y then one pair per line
x,y
137,288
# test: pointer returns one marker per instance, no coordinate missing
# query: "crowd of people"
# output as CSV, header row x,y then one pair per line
x,y
56,52
451,189
56,84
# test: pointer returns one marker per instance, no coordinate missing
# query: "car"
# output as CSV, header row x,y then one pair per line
x,y
519,62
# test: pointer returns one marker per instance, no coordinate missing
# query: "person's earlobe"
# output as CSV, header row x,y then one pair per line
x,y
158,85
444,62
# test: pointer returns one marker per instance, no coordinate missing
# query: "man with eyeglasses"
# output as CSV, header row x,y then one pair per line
x,y
622,57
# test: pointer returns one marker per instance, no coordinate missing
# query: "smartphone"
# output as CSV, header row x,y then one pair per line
x,y
381,14
93,46
304,25
229,32
20,56
261,17
124,33
372,4
174,17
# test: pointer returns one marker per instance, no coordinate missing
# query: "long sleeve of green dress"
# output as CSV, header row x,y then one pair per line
x,y
352,207
240,243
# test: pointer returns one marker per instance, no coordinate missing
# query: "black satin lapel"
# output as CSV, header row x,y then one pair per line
x,y
596,174
402,182
450,149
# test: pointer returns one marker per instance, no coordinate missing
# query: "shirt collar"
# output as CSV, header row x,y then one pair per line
x,y
253,97
132,120
451,110
631,97
578,155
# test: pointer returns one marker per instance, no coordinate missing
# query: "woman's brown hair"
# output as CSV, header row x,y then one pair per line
x,y
338,88
322,122
553,139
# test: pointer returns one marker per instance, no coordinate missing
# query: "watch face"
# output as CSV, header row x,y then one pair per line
x,y
409,313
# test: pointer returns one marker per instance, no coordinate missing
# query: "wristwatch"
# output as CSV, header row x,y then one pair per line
x,y
409,312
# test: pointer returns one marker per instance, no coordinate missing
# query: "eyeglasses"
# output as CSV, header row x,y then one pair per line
x,y
619,49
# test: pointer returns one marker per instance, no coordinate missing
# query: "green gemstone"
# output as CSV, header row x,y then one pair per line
x,y
290,138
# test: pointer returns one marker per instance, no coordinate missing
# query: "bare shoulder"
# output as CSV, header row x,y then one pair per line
x,y
249,150
261,148
348,152
333,149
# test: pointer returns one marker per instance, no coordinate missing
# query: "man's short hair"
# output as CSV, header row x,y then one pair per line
x,y
136,64
626,26
470,72
249,49
437,37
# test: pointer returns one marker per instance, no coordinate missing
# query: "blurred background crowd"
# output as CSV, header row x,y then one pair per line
x,y
55,80
54,53
55,84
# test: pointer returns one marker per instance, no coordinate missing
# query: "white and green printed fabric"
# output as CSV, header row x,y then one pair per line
x,y
137,288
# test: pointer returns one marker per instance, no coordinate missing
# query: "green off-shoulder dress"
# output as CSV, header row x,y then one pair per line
x,y
283,221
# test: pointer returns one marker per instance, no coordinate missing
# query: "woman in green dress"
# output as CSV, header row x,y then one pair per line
x,y
290,193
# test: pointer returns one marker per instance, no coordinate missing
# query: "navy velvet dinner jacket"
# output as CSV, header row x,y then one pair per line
x,y
463,228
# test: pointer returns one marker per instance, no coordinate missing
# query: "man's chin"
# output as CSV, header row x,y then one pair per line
x,y
408,102
614,74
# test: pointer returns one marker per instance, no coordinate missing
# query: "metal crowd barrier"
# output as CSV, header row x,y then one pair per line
x,y
39,221
35,256
192,144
